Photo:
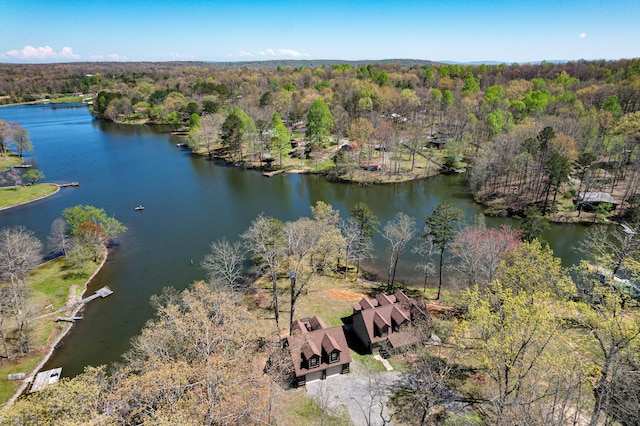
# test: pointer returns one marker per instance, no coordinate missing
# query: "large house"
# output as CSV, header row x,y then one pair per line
x,y
318,351
383,320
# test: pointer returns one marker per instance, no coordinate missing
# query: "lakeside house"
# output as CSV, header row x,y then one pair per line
x,y
383,320
589,201
317,351
351,146
372,166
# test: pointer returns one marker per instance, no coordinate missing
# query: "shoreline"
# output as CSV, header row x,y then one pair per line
x,y
53,345
35,199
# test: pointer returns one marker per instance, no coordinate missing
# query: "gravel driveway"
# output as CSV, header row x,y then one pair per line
x,y
362,392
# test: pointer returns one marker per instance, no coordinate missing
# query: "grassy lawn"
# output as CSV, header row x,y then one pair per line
x,y
12,196
68,99
50,285
9,160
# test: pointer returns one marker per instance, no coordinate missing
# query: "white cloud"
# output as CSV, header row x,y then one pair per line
x,y
38,54
270,53
241,54
289,53
583,35
109,57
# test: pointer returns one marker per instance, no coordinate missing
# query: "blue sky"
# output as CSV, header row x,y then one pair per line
x,y
37,31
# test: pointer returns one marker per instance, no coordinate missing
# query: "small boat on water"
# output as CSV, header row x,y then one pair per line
x,y
140,207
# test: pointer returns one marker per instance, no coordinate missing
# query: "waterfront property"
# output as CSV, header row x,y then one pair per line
x,y
381,321
589,201
317,351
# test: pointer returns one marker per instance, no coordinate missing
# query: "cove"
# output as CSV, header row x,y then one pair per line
x,y
189,203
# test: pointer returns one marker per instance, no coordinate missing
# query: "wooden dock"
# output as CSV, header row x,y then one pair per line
x,y
69,319
102,292
64,185
276,172
45,378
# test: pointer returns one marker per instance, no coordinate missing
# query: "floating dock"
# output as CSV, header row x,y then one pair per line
x,y
45,378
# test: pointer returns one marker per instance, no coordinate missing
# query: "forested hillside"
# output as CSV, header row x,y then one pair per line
x,y
534,134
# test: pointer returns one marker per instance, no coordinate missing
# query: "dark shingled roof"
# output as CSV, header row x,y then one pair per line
x,y
389,310
313,338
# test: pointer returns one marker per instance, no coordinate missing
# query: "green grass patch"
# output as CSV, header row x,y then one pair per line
x,y
367,362
13,196
9,160
23,365
50,283
68,99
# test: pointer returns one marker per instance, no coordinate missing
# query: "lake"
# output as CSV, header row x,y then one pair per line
x,y
189,203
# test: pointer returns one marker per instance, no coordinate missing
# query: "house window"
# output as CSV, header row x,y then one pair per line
x,y
381,331
314,361
334,356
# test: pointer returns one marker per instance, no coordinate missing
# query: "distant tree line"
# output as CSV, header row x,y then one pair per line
x,y
533,134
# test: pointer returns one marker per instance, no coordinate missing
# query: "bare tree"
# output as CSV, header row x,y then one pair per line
x,y
6,311
398,232
5,137
265,239
425,249
479,250
19,252
208,137
21,139
356,247
301,239
58,239
224,263
611,247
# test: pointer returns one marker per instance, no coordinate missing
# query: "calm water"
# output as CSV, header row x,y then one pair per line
x,y
189,202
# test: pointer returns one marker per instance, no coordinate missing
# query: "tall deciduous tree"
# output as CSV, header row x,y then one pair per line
x,y
513,334
319,122
280,138
398,233
301,239
479,250
237,128
58,239
91,230
21,140
5,137
367,224
611,248
224,263
208,135
265,239
442,225
533,267
19,252
198,361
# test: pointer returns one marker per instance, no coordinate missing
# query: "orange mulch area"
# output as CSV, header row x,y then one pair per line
x,y
444,312
346,295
